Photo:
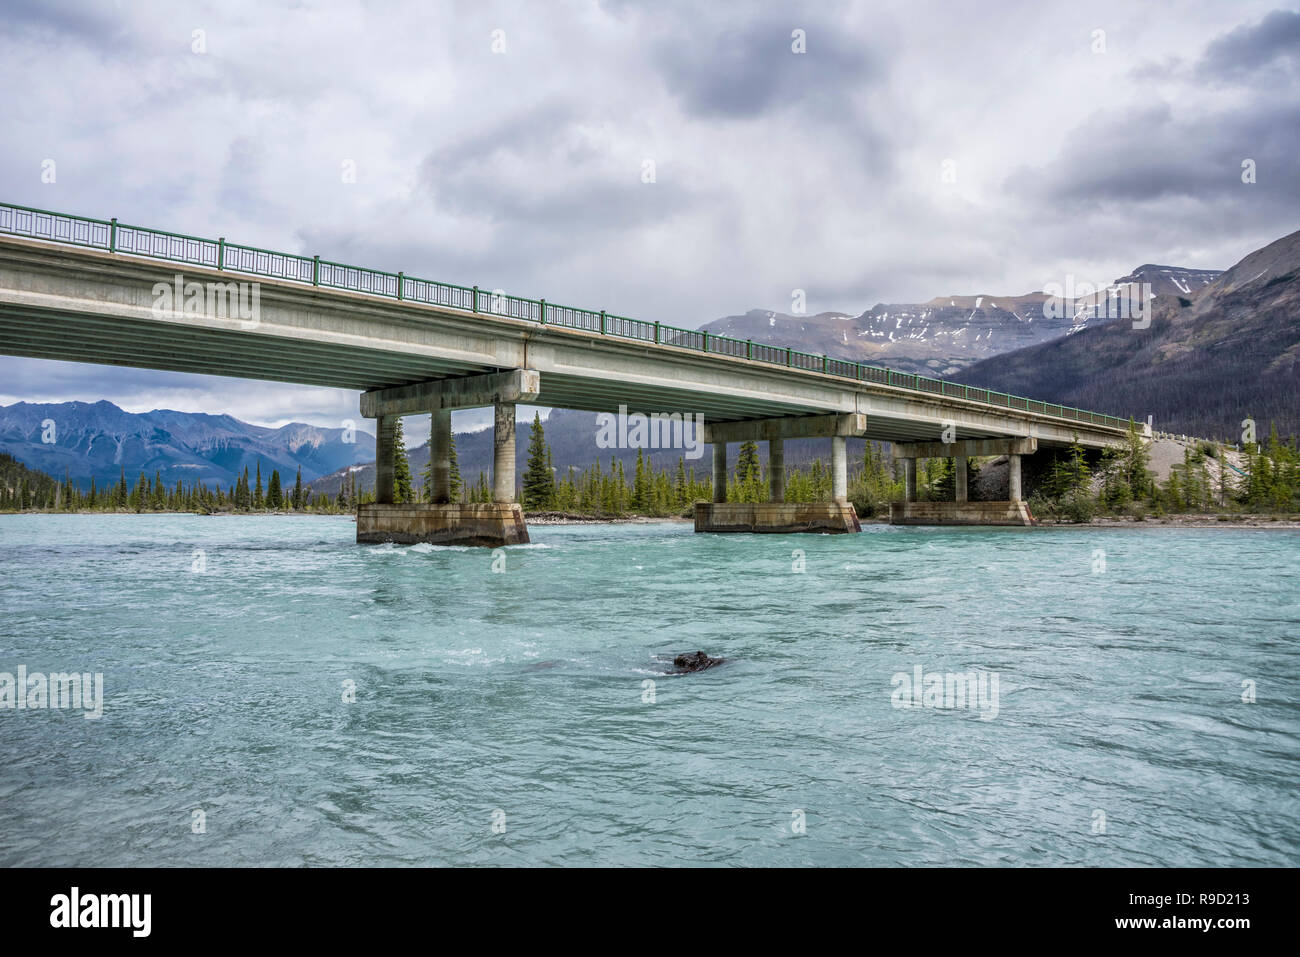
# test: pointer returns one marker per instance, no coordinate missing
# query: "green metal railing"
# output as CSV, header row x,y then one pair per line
x,y
118,237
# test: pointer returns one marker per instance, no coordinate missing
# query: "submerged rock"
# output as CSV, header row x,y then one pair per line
x,y
695,661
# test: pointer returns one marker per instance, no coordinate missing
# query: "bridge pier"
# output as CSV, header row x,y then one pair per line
x,y
385,452
961,511
441,521
719,471
503,454
777,515
440,457
839,470
776,470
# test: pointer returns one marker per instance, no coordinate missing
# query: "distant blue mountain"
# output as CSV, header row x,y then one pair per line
x,y
99,439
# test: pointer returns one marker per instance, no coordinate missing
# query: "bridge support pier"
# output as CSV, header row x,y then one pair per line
x,y
385,457
719,471
776,470
777,515
440,457
962,511
839,470
441,521
503,454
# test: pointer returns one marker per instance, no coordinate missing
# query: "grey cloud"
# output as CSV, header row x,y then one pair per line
x,y
537,169
1171,165
742,71
1251,48
90,23
1151,154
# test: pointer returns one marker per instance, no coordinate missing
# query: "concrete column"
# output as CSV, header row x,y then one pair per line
x,y
503,452
839,470
959,479
440,452
385,447
1013,477
719,471
909,480
776,468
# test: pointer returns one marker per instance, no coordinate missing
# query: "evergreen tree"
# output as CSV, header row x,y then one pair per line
x,y
539,480
641,497
402,490
455,486
140,494
401,468
297,490
259,501
944,483
1136,463
747,467
274,495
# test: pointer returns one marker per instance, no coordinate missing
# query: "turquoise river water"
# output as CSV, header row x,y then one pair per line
x,y
523,715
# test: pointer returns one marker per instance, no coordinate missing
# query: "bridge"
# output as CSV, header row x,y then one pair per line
x,y
92,290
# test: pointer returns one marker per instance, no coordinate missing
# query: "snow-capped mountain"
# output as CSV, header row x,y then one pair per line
x,y
1213,354
949,333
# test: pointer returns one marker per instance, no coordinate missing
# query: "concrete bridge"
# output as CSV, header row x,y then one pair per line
x,y
89,290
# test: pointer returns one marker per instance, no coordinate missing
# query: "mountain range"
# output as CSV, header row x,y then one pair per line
x,y
1206,362
946,334
86,440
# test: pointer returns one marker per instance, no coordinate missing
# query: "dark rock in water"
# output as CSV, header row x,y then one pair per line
x,y
695,661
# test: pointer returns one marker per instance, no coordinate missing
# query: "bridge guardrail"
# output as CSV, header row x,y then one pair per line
x,y
115,237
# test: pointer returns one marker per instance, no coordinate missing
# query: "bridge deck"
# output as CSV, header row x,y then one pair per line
x,y
70,291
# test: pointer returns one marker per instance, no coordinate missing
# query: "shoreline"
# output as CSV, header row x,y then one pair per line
x,y
1178,521
1289,523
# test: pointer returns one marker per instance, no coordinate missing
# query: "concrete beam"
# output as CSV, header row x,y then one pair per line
x,y
467,392
786,427
964,447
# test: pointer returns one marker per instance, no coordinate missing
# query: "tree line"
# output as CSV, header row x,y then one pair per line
x,y
22,488
1121,482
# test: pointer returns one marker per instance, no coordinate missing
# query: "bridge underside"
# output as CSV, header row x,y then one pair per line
x,y
44,333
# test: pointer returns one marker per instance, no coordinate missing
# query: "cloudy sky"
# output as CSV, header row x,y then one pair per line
x,y
508,144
